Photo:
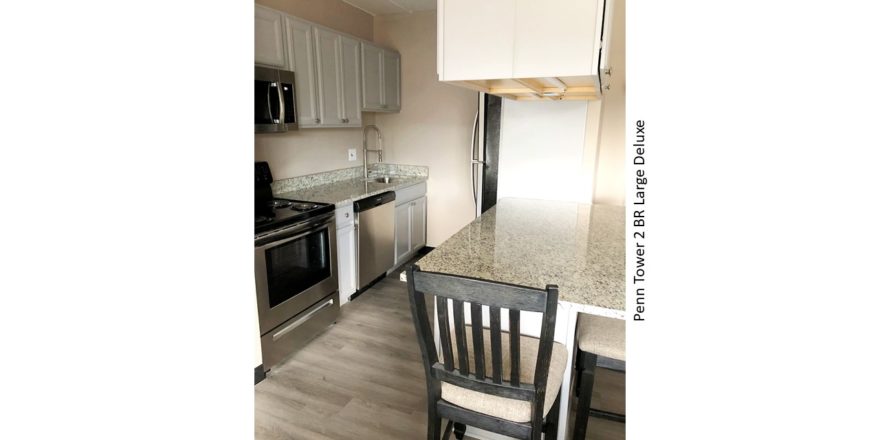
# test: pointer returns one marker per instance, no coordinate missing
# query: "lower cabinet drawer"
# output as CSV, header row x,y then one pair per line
x,y
410,193
296,332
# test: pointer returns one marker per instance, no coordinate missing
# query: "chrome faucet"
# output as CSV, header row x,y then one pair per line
x,y
366,150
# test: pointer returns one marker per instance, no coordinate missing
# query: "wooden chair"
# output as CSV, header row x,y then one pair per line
x,y
601,343
515,391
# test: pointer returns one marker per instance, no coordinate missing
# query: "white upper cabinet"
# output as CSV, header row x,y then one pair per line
x,y
350,65
329,69
391,81
338,78
329,72
523,49
476,39
555,38
301,51
371,57
268,38
381,79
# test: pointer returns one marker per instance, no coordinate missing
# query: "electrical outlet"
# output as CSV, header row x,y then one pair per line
x,y
352,154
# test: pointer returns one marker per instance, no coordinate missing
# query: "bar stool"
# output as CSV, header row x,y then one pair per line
x,y
602,343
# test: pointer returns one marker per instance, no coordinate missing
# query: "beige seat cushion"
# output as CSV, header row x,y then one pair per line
x,y
503,407
602,336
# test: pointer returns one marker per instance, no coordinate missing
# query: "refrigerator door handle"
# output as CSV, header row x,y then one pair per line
x,y
474,160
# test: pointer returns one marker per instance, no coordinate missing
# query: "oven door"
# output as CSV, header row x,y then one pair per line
x,y
295,270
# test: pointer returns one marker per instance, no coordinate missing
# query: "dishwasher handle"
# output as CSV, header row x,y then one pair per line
x,y
374,201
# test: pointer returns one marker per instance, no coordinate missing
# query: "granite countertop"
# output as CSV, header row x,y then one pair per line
x,y
579,247
347,191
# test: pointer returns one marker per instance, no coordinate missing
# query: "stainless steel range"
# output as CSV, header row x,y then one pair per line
x,y
294,268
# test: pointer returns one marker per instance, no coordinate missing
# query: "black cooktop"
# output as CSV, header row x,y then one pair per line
x,y
278,213
271,212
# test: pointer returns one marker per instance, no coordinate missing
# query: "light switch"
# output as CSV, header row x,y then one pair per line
x,y
352,154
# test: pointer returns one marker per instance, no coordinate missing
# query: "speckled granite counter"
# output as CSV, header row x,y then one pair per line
x,y
347,191
579,247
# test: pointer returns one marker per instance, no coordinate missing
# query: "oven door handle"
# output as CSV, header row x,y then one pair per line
x,y
302,320
324,224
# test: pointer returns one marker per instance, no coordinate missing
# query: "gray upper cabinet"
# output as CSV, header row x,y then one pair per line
x,y
380,78
301,52
269,38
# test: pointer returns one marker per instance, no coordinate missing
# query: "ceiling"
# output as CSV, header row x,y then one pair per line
x,y
385,7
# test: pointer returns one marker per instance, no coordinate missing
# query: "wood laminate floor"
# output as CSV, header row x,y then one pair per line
x,y
363,379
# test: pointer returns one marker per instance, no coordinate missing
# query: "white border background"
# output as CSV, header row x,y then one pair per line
x,y
761,243
122,315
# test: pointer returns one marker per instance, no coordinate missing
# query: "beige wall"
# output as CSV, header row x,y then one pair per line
x,y
308,151
611,158
315,150
334,14
434,125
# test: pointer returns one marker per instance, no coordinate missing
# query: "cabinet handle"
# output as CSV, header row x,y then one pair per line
x,y
345,120
317,120
346,215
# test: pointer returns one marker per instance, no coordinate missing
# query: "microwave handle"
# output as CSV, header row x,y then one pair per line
x,y
280,90
269,101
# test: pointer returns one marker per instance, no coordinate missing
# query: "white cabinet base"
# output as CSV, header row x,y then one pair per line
x,y
346,262
410,221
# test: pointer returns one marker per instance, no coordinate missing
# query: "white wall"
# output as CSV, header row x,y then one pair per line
x,y
542,151
433,127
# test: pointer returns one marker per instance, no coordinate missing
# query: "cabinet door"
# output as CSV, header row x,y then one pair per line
x,y
371,57
351,84
301,50
268,38
478,38
418,222
402,244
346,262
550,43
329,72
391,81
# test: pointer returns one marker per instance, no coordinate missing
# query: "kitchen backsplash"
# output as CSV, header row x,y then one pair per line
x,y
375,169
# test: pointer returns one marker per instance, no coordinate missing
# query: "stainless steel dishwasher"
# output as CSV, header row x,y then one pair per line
x,y
374,223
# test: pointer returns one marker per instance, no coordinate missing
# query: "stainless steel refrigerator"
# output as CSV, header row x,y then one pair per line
x,y
485,143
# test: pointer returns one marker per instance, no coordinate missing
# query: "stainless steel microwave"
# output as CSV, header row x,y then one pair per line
x,y
274,101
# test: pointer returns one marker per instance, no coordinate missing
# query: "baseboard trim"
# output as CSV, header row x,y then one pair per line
x,y
259,374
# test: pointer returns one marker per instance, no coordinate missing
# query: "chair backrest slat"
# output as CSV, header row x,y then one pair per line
x,y
495,337
443,324
460,337
477,330
494,296
514,346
